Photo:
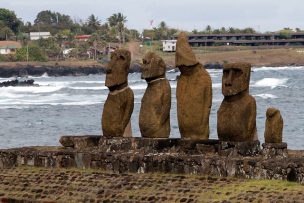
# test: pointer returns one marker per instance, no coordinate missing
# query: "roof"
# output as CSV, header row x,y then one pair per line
x,y
40,33
83,36
10,44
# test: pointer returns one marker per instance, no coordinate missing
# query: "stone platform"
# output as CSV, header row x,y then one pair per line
x,y
140,155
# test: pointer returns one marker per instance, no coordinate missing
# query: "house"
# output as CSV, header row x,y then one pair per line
x,y
39,35
9,47
169,45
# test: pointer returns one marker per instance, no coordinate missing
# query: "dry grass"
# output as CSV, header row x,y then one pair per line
x,y
76,185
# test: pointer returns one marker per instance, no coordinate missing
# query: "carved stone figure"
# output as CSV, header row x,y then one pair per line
x,y
120,101
193,93
154,117
273,126
236,117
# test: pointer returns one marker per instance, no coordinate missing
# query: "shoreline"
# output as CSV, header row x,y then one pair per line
x,y
17,69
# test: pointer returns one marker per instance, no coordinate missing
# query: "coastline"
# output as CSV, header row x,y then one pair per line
x,y
211,60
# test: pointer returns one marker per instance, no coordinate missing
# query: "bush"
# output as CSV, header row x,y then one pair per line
x,y
34,54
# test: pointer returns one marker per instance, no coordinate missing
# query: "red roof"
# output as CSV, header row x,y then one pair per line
x,y
83,36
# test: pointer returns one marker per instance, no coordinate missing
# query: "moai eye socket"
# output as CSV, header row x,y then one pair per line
x,y
226,73
237,72
122,57
144,61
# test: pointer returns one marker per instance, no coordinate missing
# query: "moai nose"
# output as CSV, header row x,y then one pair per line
x,y
228,81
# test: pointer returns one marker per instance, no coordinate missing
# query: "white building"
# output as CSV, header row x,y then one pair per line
x,y
9,47
38,35
169,45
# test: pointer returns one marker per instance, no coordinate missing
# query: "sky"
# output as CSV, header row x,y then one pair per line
x,y
262,15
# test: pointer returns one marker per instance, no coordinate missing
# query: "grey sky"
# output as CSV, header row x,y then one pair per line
x,y
263,15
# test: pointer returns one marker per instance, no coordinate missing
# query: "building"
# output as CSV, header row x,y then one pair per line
x,y
39,35
169,45
9,47
83,38
269,39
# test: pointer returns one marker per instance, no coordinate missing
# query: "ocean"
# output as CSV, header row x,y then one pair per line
x,y
72,105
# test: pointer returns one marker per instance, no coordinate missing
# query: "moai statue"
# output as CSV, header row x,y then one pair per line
x,y
236,117
273,126
154,116
120,102
193,93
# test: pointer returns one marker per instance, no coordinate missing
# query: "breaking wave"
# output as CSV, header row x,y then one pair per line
x,y
271,82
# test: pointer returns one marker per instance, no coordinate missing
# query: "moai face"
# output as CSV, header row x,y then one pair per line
x,y
117,70
236,78
153,66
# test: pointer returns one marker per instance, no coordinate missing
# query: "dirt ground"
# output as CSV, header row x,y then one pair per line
x,y
74,185
257,56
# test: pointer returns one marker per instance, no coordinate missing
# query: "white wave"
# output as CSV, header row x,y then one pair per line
x,y
32,89
66,83
266,96
217,85
89,88
271,82
278,68
139,87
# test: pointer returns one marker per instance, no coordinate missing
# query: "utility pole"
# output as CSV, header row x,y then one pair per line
x,y
27,52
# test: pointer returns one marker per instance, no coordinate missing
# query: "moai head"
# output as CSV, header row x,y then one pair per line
x,y
153,66
184,56
236,78
117,70
274,126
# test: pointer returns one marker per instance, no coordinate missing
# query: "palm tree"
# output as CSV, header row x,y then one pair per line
x,y
118,20
93,22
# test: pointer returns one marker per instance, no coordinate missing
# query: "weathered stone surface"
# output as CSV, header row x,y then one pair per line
x,y
80,142
236,117
273,126
143,155
120,101
274,150
154,116
193,93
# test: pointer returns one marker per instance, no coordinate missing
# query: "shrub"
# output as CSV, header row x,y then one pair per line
x,y
34,54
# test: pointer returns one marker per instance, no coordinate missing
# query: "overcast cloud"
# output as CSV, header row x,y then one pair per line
x,y
263,15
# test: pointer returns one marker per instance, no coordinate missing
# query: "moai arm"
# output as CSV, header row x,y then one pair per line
x,y
165,104
252,131
129,106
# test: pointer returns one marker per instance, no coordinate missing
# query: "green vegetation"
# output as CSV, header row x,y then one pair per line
x,y
31,53
103,32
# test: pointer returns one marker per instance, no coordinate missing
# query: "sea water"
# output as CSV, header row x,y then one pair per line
x,y
31,116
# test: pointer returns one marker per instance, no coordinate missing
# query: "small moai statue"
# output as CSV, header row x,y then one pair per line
x,y
154,116
193,93
236,117
119,105
273,126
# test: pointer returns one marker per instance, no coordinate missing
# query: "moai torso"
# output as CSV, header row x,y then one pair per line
x,y
154,117
236,117
273,126
193,93
119,105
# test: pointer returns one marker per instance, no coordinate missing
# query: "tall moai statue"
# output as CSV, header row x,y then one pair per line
x,y
120,101
154,116
273,126
236,117
193,93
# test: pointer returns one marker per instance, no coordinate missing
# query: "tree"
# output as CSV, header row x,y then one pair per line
x,y
5,32
208,29
117,21
10,20
93,23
